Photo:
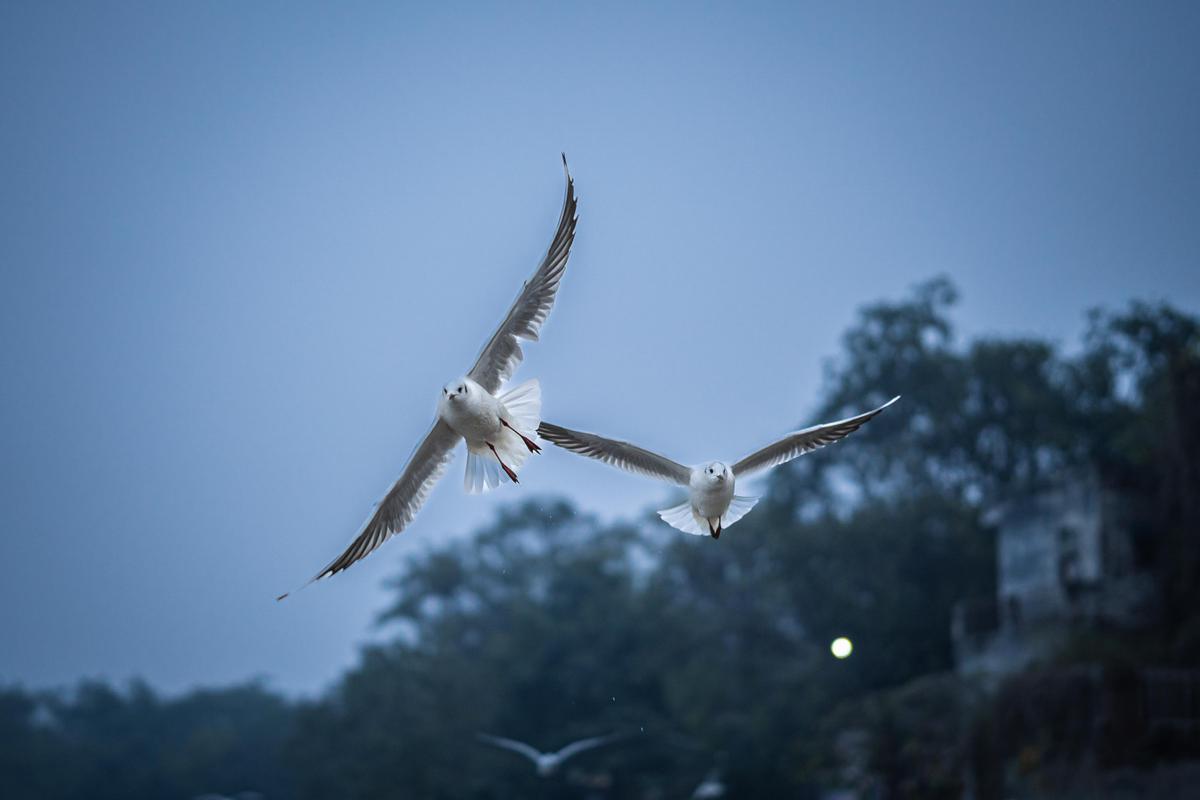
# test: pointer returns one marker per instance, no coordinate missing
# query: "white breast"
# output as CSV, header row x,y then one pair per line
x,y
475,417
709,498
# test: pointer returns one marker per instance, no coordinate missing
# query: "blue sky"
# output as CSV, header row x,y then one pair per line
x,y
243,246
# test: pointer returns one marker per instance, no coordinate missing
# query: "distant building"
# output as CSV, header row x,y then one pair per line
x,y
1065,561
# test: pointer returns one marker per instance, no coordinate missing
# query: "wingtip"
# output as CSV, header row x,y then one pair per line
x,y
886,405
307,583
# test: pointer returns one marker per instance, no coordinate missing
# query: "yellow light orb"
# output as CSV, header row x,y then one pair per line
x,y
841,647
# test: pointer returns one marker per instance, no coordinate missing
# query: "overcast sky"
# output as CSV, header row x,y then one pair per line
x,y
243,245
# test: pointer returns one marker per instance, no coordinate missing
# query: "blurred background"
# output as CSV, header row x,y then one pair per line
x,y
242,246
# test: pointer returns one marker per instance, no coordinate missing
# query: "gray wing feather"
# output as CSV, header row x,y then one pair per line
x,y
585,744
511,744
427,464
501,355
618,454
805,441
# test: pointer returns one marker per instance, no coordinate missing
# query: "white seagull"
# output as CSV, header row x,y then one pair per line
x,y
547,763
710,788
496,427
711,505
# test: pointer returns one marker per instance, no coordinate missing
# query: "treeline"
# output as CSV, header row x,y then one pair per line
x,y
96,742
548,625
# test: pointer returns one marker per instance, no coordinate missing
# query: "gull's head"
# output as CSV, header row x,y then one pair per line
x,y
717,472
455,391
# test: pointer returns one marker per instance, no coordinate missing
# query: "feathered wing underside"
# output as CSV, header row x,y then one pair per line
x,y
684,518
403,500
805,441
501,355
615,453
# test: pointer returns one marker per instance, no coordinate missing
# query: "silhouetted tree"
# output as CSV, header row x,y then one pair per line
x,y
549,625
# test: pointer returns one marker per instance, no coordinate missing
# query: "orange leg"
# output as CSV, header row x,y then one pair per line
x,y
532,445
511,475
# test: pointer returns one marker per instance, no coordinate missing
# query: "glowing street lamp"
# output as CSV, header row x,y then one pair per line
x,y
841,647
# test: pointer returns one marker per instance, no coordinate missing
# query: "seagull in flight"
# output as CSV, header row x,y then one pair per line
x,y
712,505
710,788
548,763
495,425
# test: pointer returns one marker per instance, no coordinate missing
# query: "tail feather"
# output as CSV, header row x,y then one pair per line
x,y
522,409
511,448
739,507
524,406
683,518
483,471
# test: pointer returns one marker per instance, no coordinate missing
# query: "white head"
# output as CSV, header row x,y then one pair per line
x,y
457,390
717,472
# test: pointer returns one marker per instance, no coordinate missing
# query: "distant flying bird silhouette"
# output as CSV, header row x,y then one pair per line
x,y
710,788
712,505
548,763
495,426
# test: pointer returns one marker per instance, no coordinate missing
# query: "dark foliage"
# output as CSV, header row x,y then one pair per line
x,y
97,743
549,625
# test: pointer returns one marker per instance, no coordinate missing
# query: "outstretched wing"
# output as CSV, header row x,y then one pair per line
x,y
402,502
511,744
575,748
619,454
502,353
805,441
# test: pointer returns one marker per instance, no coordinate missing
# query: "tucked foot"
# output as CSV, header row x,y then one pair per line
x,y
512,476
532,445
